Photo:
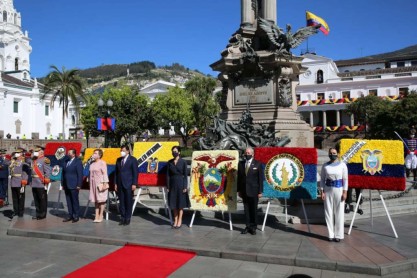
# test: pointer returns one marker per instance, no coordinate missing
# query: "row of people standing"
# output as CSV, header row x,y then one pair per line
x,y
35,171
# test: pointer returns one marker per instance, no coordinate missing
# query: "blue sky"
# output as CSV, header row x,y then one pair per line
x,y
88,33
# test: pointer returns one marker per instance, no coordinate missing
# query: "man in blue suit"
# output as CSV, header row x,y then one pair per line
x,y
126,180
72,179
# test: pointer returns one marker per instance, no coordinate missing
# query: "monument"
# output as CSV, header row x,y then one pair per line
x,y
258,70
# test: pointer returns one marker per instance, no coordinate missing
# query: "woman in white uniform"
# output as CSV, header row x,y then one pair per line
x,y
334,186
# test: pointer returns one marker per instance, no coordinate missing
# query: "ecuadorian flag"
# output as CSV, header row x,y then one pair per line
x,y
110,156
374,164
314,20
290,173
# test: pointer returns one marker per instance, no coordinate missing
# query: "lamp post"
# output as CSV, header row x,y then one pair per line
x,y
109,104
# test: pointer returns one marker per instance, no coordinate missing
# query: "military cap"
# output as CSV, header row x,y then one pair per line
x,y
38,148
3,150
19,150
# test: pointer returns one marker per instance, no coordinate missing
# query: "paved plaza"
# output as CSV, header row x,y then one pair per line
x,y
51,248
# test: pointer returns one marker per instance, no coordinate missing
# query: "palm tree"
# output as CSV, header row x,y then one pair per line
x,y
66,86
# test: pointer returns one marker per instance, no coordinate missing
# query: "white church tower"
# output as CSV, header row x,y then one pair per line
x,y
14,44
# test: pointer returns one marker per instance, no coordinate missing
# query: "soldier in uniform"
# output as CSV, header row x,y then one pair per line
x,y
4,176
20,177
41,171
411,158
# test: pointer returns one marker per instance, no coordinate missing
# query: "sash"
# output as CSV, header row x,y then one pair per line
x,y
38,172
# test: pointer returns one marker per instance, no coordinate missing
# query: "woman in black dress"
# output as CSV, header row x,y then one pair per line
x,y
177,186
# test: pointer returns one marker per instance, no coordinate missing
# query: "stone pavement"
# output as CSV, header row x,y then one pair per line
x,y
290,248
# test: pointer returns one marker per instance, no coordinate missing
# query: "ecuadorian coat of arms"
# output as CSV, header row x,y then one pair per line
x,y
372,161
284,172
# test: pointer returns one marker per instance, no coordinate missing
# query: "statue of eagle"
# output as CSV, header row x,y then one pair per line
x,y
285,41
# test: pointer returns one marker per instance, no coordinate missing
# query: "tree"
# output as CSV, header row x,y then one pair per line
x,y
174,109
66,87
204,103
131,110
384,116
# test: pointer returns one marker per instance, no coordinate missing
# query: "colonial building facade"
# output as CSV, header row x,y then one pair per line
x,y
327,87
22,112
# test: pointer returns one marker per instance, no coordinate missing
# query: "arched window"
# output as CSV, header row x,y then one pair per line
x,y
25,75
4,16
73,119
319,76
16,64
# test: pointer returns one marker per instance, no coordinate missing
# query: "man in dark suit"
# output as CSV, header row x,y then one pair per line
x,y
72,180
250,187
126,180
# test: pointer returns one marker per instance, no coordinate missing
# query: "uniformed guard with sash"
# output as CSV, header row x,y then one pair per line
x,y
20,177
4,176
41,171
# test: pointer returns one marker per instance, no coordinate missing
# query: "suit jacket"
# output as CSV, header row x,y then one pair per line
x,y
44,166
250,184
127,175
72,175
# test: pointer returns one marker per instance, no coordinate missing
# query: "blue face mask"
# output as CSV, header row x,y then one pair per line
x,y
175,154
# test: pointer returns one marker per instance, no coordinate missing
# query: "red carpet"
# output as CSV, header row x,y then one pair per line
x,y
135,261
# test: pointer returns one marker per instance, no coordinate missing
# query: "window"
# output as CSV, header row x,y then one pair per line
x,y
15,106
346,94
403,92
400,64
47,110
373,92
414,63
16,64
298,97
4,16
319,76
320,96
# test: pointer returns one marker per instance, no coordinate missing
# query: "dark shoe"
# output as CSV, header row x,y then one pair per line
x,y
127,222
35,218
20,215
252,231
67,220
347,208
122,222
75,220
331,239
245,231
337,239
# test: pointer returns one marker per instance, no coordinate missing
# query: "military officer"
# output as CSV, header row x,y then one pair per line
x,y
411,158
4,176
20,177
41,171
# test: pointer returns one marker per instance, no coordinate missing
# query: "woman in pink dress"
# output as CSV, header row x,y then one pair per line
x,y
98,176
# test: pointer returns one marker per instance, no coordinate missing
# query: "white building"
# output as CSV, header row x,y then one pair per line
x,y
327,87
22,113
156,88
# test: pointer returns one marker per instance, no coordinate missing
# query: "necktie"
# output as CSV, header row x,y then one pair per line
x,y
123,162
247,167
69,162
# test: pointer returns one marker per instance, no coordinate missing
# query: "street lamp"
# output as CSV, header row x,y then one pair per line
x,y
109,104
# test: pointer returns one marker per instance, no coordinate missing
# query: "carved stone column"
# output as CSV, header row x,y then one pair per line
x,y
269,10
352,120
246,13
324,119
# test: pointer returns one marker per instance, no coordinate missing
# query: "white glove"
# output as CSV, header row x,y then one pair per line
x,y
22,190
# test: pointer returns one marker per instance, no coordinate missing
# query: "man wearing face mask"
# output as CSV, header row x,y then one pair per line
x,y
250,187
4,176
20,177
41,171
72,180
125,180
333,187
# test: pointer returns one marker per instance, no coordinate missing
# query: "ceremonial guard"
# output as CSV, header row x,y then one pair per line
x,y
41,171
411,158
20,177
4,176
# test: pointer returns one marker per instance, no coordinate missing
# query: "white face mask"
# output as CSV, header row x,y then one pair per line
x,y
36,154
17,155
123,154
